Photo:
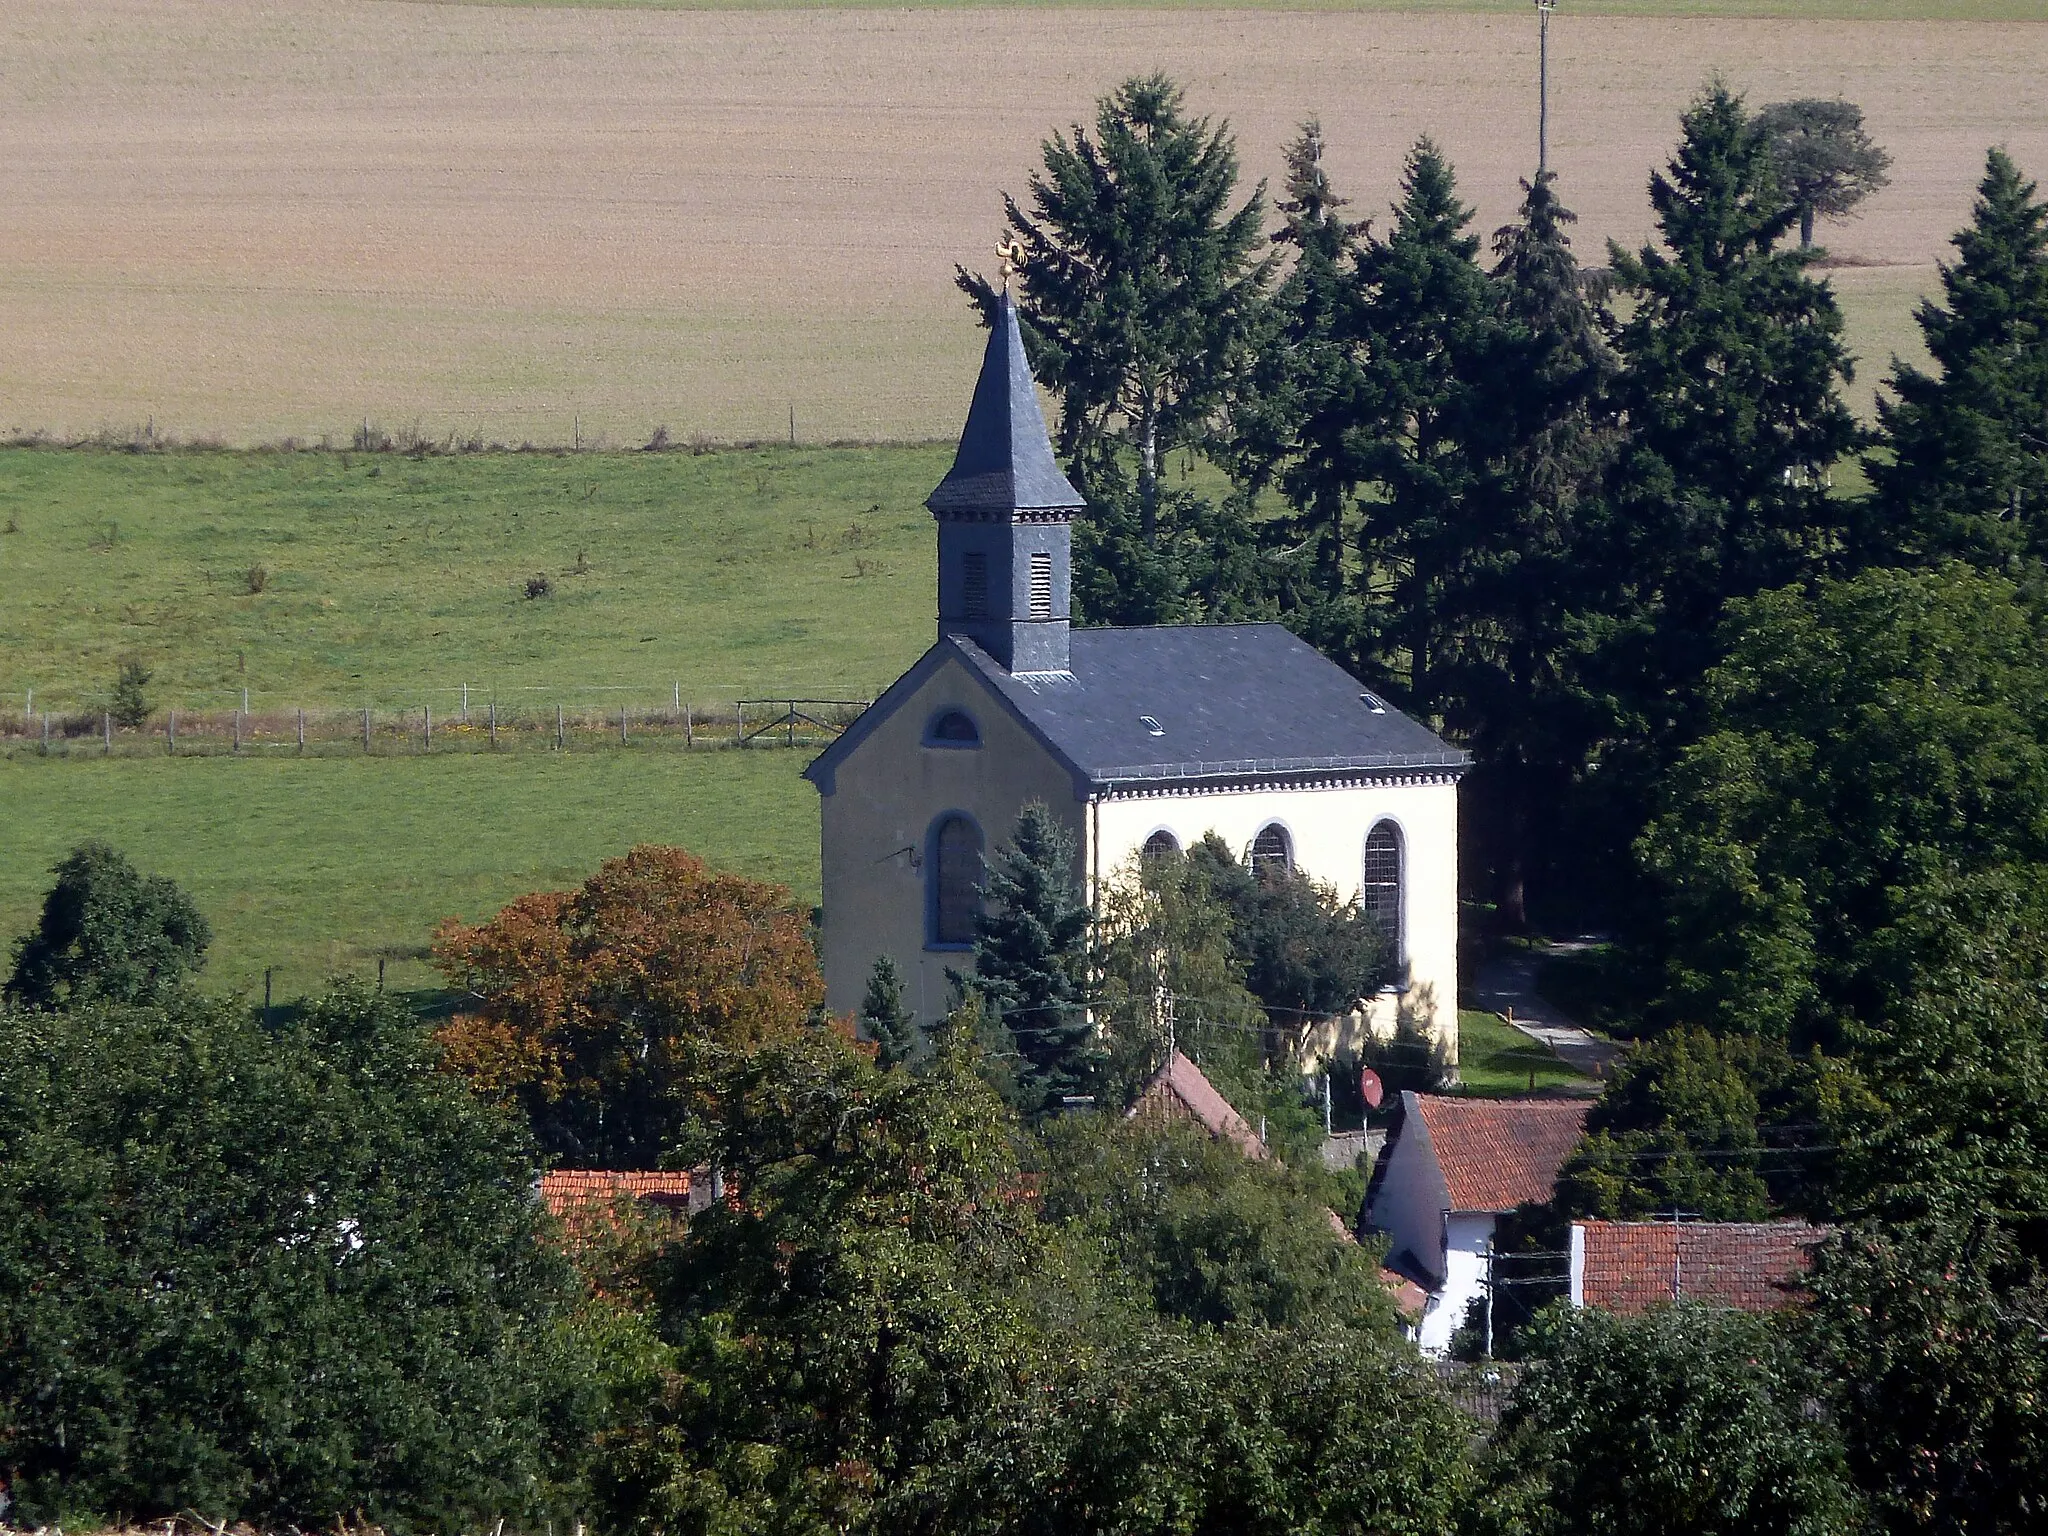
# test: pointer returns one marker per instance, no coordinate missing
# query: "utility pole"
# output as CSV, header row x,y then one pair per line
x,y
1543,10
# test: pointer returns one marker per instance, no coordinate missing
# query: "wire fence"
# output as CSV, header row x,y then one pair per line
x,y
485,725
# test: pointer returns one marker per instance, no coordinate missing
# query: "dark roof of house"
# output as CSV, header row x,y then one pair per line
x,y
1200,701
1496,1154
1755,1266
1181,1080
1004,463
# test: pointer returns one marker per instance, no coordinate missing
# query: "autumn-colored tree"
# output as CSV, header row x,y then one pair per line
x,y
598,1010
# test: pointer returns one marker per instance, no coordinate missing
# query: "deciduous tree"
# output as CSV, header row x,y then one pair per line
x,y
596,1010
1825,162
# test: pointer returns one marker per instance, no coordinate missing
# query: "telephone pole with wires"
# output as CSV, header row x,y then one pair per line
x,y
1543,10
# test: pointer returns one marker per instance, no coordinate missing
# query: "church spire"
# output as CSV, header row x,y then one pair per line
x,y
1004,513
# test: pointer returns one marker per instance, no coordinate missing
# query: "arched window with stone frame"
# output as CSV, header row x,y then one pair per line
x,y
1160,844
953,880
1380,890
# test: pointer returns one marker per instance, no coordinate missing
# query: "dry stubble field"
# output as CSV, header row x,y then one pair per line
x,y
252,219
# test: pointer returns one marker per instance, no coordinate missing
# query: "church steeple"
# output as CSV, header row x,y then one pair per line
x,y
1005,516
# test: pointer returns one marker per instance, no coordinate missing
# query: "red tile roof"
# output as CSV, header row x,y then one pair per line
x,y
1753,1266
1179,1088
1497,1154
574,1196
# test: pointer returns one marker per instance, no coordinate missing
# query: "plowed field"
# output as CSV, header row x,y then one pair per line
x,y
252,219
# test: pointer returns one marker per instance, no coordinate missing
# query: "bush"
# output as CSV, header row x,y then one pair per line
x,y
108,932
130,705
293,1278
255,579
540,584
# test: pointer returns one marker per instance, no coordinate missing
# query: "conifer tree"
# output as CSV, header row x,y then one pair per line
x,y
1544,432
1967,475
1732,361
1425,325
1140,285
1029,950
1300,426
888,1023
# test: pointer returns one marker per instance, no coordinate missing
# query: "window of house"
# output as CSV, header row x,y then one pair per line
x,y
1379,893
974,585
1271,850
953,876
1041,585
952,728
1160,844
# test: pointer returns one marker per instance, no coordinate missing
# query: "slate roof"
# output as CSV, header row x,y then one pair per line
x,y
1231,700
1630,1266
1496,1154
1181,1082
1004,463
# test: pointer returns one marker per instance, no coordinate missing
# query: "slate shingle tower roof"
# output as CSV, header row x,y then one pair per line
x,y
1004,464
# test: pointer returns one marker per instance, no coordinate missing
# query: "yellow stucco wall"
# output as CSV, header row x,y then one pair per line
x,y
875,824
1327,827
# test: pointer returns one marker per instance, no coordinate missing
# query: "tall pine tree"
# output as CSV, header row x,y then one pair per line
x,y
1544,436
1425,326
888,1023
1967,474
1732,363
1140,286
1030,949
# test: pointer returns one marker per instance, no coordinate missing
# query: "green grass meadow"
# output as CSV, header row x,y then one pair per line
x,y
325,865
1495,1058
393,580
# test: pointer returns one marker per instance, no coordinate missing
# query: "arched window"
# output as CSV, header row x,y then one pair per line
x,y
952,728
1271,850
1160,844
1379,893
953,881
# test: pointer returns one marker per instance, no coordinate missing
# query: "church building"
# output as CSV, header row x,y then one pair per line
x,y
1138,739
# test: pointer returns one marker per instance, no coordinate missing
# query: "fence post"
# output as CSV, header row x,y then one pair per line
x,y
366,728
689,728
561,739
266,991
739,723
302,732
171,733
622,725
679,695
427,720
792,722
107,724
46,733
494,725
238,730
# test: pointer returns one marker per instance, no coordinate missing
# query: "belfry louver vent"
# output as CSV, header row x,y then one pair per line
x,y
1041,585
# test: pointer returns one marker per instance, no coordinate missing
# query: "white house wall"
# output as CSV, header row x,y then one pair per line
x,y
1468,1238
887,794
1409,1200
1327,828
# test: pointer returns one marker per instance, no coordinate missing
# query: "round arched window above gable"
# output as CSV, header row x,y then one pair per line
x,y
1272,849
952,728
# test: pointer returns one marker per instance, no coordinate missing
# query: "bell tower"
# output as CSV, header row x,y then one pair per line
x,y
1005,515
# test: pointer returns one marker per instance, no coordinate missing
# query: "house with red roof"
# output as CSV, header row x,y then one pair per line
x,y
1179,1091
591,1201
1631,1266
1451,1169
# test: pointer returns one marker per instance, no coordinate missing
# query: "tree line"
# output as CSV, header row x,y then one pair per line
x,y
289,1267
1514,493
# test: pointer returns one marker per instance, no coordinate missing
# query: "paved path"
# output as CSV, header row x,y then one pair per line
x,y
1507,985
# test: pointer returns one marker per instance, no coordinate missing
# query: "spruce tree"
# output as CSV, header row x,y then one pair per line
x,y
1967,474
1140,286
1029,952
1544,434
889,1024
1425,326
1732,362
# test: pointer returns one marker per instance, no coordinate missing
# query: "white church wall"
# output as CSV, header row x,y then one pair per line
x,y
1327,829
874,827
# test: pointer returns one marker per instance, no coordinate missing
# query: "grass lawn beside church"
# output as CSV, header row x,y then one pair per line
x,y
327,864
